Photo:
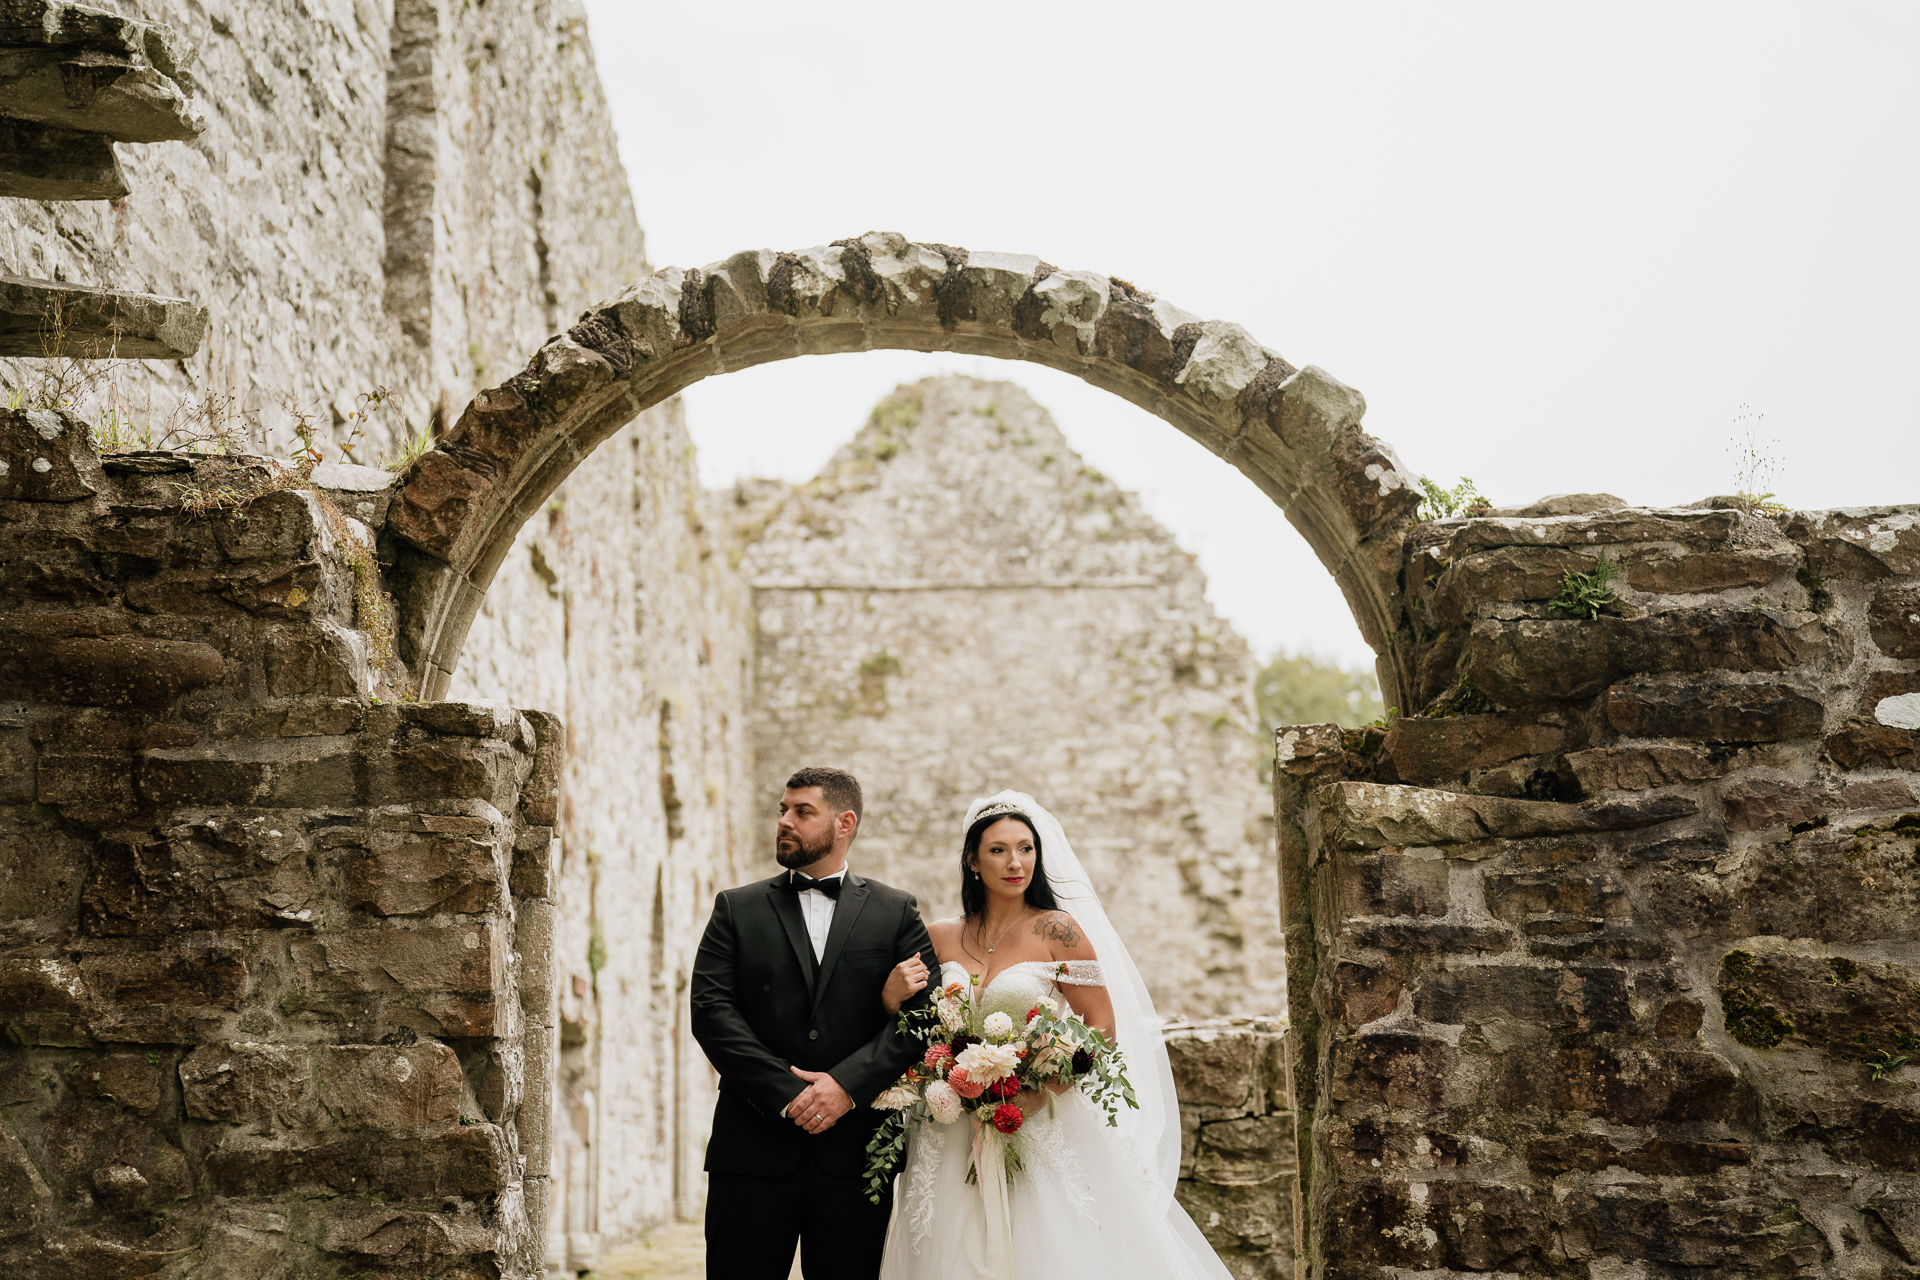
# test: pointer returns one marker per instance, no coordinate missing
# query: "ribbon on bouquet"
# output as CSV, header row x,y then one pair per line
x,y
989,1249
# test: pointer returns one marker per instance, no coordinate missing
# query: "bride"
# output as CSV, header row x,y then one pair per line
x,y
1092,1200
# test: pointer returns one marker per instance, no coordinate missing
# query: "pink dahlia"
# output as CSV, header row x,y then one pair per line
x,y
963,1084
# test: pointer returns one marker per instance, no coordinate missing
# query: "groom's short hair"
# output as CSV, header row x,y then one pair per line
x,y
840,789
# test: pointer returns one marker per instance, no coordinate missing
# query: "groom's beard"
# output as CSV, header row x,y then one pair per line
x,y
794,852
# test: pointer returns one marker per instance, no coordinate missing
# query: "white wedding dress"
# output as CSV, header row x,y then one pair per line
x,y
1093,1201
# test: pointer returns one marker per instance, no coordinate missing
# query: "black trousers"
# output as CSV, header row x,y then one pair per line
x,y
753,1224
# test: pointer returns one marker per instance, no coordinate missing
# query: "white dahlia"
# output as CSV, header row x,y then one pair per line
x,y
998,1024
951,1016
900,1095
988,1062
943,1104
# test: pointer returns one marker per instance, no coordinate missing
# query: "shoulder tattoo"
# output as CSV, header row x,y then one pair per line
x,y
1058,928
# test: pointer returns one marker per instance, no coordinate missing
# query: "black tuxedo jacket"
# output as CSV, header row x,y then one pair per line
x,y
761,1004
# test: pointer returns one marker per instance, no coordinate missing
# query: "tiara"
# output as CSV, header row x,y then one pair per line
x,y
997,809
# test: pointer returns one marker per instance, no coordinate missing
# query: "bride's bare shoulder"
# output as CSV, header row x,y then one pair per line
x,y
1063,935
946,933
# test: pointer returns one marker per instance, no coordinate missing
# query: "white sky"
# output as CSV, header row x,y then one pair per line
x,y
1556,246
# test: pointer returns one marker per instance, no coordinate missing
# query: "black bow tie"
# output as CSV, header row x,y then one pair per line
x,y
800,884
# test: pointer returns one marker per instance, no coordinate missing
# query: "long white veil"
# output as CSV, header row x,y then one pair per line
x,y
1154,1129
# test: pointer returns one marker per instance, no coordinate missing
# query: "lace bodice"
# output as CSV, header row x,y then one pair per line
x,y
1016,988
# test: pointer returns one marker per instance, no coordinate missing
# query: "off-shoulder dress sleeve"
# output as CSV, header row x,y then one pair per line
x,y
1079,973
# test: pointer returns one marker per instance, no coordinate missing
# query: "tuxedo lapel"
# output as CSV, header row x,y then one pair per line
x,y
786,905
853,896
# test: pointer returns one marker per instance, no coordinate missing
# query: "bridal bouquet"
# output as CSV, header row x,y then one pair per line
x,y
976,1063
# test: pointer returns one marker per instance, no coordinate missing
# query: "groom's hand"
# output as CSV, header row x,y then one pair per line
x,y
821,1103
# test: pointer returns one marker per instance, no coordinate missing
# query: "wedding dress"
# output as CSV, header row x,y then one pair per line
x,y
1093,1200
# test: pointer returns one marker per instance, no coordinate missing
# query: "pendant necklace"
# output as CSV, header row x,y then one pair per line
x,y
1003,934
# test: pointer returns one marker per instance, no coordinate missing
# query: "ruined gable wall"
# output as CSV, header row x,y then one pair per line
x,y
1606,963
957,605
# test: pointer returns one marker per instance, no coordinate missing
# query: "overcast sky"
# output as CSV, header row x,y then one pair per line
x,y
1556,246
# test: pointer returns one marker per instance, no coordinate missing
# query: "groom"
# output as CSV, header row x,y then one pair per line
x,y
786,1003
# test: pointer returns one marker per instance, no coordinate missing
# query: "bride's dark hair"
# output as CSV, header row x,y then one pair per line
x,y
973,894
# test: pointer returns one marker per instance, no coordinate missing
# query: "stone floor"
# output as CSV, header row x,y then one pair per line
x,y
677,1251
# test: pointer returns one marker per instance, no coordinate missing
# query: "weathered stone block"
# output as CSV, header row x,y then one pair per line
x,y
1714,713
1862,543
1520,663
471,720
1212,1069
534,853
1709,571
135,1082
176,993
1397,1070
93,780
1575,892
456,976
414,876
1704,1230
468,1160
1699,529
1650,1086
1582,999
1426,751
312,772
1641,768
1436,1228
1502,574
1759,804
455,769
405,1236
264,1086
211,875
105,671
390,1088
42,163
1863,744
46,455
41,868
540,793
1251,1221
1366,815
318,660
1251,1150
1390,885
1894,621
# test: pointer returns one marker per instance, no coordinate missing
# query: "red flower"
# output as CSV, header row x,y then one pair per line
x,y
1004,1087
1008,1118
1033,1013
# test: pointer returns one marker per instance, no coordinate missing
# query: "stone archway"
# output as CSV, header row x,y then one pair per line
x,y
1293,431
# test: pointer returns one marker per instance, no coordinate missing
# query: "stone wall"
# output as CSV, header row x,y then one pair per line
x,y
1605,963
615,612
381,197
274,956
1238,1176
958,604
415,194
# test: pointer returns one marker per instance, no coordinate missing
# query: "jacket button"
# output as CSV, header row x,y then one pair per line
x,y
813,1035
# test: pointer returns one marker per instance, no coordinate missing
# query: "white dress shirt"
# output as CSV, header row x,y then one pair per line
x,y
817,910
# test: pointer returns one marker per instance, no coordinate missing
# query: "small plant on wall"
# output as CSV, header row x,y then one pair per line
x,y
1586,594
1461,500
1754,462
